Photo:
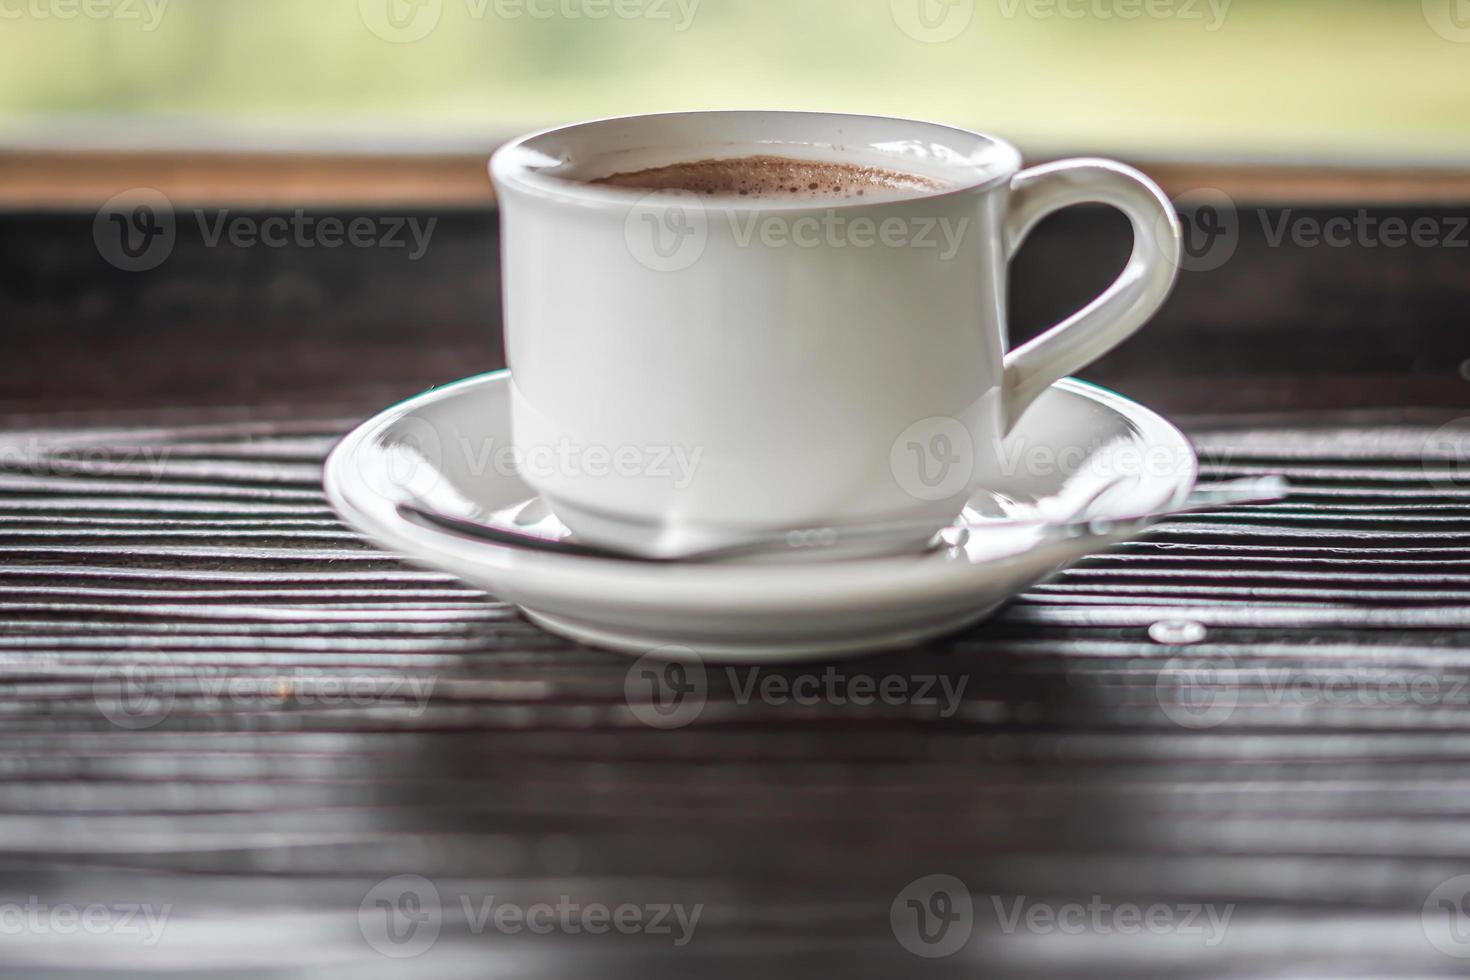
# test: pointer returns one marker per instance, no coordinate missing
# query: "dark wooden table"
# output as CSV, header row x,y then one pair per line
x,y
1239,747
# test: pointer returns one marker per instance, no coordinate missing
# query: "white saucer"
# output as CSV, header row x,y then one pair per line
x,y
1078,442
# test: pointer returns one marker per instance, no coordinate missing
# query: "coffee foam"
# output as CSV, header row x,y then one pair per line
x,y
774,177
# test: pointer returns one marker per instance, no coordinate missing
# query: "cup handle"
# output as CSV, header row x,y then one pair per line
x,y
1126,305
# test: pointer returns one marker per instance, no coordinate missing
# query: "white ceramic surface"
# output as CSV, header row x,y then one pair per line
x,y
1077,440
822,361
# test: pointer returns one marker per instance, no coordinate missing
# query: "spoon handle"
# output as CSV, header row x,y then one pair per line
x,y
1265,490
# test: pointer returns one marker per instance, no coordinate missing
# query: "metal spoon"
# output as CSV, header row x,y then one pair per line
x,y
1251,491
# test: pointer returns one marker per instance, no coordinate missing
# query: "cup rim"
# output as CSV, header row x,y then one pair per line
x,y
511,169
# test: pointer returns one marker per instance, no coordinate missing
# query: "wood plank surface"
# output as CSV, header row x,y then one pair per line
x,y
1237,747
218,700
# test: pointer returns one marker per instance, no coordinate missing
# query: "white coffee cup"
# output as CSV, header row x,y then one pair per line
x,y
690,371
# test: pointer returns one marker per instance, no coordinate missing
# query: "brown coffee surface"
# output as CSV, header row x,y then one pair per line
x,y
773,177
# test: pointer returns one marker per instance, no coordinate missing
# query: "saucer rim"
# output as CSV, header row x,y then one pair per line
x,y
617,587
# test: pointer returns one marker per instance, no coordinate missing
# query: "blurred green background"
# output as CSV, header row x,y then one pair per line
x,y
1303,78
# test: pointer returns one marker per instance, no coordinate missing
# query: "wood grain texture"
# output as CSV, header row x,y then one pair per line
x,y
1276,327
216,699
